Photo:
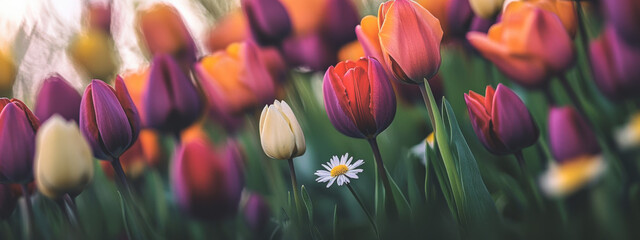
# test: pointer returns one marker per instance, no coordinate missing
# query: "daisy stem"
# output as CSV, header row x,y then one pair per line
x,y
294,185
29,211
373,223
389,201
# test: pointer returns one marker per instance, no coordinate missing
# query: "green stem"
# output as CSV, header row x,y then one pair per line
x,y
572,94
382,172
294,185
373,223
584,36
29,209
442,141
121,177
530,181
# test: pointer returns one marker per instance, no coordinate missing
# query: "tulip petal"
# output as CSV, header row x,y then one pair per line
x,y
17,143
88,125
512,122
301,146
383,98
56,96
570,136
334,96
111,120
129,108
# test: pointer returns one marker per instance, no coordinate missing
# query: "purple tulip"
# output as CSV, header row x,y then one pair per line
x,y
359,98
310,51
171,101
108,119
623,14
256,212
18,128
207,184
268,21
341,20
459,18
56,96
615,65
501,120
8,201
570,136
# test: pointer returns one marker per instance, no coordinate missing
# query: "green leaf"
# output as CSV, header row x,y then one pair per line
x,y
307,203
401,202
335,221
412,186
134,223
477,210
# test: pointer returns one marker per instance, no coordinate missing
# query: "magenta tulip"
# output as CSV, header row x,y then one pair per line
x,y
624,17
256,212
501,120
56,96
342,17
108,119
570,136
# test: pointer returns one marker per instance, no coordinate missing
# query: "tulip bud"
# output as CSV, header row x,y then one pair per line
x,y
501,120
63,164
268,21
93,52
309,51
18,128
56,96
208,183
164,32
8,73
108,119
342,17
410,57
235,81
99,16
624,17
8,201
280,134
570,136
171,101
486,8
256,212
459,17
529,45
359,98
615,65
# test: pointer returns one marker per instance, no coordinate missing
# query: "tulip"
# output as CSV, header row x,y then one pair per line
x,y
529,45
410,57
359,98
18,128
614,65
486,8
268,21
565,10
207,183
99,15
439,9
570,136
171,101
56,96
459,17
501,120
164,32
280,134
8,201
306,16
342,17
623,15
310,51
8,73
63,163
93,52
108,119
256,212
229,29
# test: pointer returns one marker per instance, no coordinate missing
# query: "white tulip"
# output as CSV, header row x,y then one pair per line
x,y
63,161
280,134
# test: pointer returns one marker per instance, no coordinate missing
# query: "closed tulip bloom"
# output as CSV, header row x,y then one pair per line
x,y
306,16
268,21
8,201
501,120
280,133
410,57
570,136
171,100
623,15
56,96
359,98
565,10
108,119
18,128
63,164
207,182
342,17
529,45
615,65
256,212
486,8
232,27
8,73
164,32
99,15
459,17
311,51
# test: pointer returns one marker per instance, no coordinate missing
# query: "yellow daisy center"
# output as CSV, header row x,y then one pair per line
x,y
339,170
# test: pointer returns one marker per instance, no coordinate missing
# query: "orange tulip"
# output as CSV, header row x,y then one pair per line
x,y
529,45
410,39
563,9
439,10
306,15
351,51
231,28
163,31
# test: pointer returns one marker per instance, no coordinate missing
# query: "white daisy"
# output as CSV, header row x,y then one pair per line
x,y
340,170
